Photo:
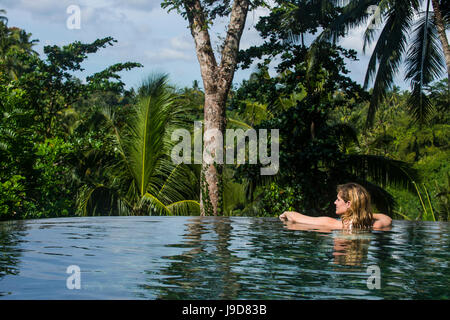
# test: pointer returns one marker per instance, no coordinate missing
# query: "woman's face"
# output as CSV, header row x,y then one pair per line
x,y
341,205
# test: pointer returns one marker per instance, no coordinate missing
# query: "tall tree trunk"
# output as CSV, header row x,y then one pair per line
x,y
442,36
217,80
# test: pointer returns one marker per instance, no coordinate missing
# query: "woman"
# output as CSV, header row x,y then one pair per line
x,y
353,205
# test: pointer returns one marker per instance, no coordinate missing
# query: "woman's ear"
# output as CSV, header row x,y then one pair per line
x,y
348,203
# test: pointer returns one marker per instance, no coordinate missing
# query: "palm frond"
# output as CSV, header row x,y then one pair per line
x,y
154,85
123,166
237,123
389,51
100,200
178,185
146,141
184,208
143,175
420,105
382,171
375,23
424,63
354,14
155,204
425,48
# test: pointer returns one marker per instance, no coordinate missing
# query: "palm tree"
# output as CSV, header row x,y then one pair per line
x,y
442,18
143,179
424,58
14,42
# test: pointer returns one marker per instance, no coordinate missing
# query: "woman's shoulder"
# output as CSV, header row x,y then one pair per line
x,y
381,220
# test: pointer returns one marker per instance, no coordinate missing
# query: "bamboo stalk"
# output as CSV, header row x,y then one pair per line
x,y
421,201
429,202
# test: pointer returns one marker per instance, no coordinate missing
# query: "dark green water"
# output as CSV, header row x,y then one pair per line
x,y
220,258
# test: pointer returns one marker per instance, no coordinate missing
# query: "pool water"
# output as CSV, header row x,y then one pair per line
x,y
219,258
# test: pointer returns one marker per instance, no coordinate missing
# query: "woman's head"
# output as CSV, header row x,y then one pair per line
x,y
353,203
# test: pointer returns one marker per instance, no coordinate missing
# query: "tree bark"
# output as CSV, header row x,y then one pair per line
x,y
217,80
442,36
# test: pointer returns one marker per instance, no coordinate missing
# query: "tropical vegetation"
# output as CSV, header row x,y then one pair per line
x,y
71,146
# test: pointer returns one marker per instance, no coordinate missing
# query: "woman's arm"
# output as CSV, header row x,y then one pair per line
x,y
318,221
381,220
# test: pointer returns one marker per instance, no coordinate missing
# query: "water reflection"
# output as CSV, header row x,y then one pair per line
x,y
349,248
418,256
230,286
350,252
221,258
205,270
11,235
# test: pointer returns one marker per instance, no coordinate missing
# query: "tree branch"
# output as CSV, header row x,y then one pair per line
x,y
231,44
199,31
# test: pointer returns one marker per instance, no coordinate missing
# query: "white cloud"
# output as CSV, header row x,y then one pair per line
x,y
167,55
140,5
182,42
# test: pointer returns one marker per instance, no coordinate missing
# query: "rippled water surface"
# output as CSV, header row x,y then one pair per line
x,y
220,258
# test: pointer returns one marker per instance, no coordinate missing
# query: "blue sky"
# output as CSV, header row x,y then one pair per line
x,y
147,34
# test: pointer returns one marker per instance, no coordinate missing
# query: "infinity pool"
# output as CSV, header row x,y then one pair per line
x,y
219,258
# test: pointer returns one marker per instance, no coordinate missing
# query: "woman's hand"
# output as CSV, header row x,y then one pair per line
x,y
286,216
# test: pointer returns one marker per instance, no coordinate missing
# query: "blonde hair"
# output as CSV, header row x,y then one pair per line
x,y
359,215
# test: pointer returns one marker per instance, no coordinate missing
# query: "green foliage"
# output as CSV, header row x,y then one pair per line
x,y
275,199
317,152
407,35
141,178
406,32
442,197
43,138
14,42
52,88
424,147
52,166
12,197
89,147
